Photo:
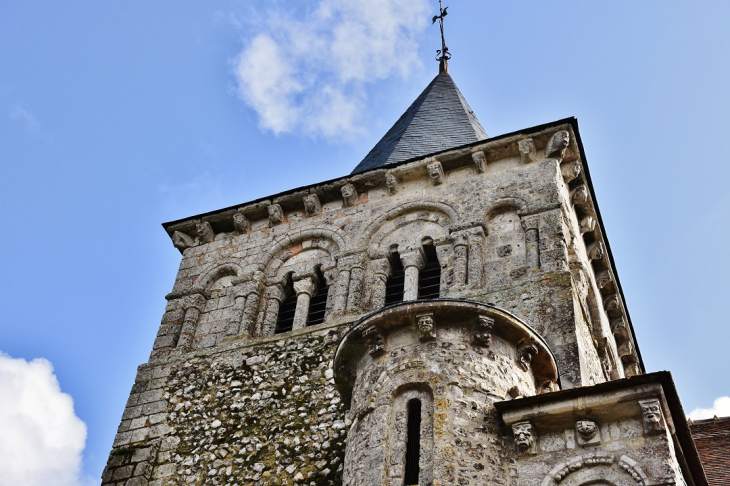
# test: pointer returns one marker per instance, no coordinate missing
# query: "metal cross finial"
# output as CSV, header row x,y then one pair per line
x,y
443,54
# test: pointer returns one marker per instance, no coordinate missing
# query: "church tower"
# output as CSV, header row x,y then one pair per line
x,y
447,314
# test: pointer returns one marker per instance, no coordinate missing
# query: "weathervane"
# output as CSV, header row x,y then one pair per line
x,y
442,55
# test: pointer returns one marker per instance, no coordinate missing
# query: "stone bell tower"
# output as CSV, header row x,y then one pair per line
x,y
448,313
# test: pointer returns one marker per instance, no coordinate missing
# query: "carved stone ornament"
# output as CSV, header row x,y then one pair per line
x,y
651,412
376,341
241,222
276,214
611,303
527,150
480,162
436,173
391,181
579,196
205,232
570,170
525,352
619,328
625,348
312,205
557,145
425,325
483,331
182,240
603,278
587,432
596,251
631,369
349,195
525,439
587,224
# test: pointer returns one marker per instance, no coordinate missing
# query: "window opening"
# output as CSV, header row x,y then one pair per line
x,y
395,285
413,442
318,304
285,319
429,279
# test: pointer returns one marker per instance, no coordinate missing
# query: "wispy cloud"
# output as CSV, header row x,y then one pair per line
x,y
720,408
26,117
41,438
307,73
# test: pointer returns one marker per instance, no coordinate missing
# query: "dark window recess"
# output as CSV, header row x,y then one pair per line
x,y
285,319
318,304
413,442
394,285
429,279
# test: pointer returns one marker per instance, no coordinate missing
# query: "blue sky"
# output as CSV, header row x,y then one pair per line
x,y
118,116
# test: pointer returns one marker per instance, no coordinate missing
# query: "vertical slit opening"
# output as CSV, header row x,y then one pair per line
x,y
318,304
395,285
285,319
413,442
429,279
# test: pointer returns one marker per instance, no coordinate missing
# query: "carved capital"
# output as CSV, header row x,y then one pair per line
x,y
530,222
305,284
391,181
425,325
276,214
526,350
182,240
525,437
579,195
596,251
482,335
241,222
587,224
651,412
436,173
205,232
414,258
375,339
275,292
570,170
603,278
557,145
460,238
475,234
527,150
330,275
480,162
381,266
312,205
196,301
349,195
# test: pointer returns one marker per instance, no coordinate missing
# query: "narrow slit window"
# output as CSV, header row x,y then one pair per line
x,y
318,304
395,285
413,443
429,279
285,319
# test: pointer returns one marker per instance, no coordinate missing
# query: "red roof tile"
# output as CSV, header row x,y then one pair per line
x,y
712,438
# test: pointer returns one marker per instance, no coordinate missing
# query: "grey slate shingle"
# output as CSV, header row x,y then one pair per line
x,y
439,119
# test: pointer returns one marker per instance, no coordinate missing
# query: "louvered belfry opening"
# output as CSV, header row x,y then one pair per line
x,y
285,319
395,285
318,304
429,279
413,442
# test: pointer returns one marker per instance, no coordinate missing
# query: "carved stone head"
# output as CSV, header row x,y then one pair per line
x,y
182,240
527,150
425,326
603,278
375,339
276,214
587,224
570,170
391,182
557,145
311,204
205,232
580,195
480,162
651,412
586,429
596,251
524,437
241,222
525,352
436,173
483,331
349,194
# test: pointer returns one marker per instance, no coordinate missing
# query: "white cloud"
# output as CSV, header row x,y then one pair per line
x,y
720,407
41,438
26,117
306,73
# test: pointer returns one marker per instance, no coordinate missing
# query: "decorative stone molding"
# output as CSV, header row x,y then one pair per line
x,y
205,232
557,145
632,469
562,470
596,251
587,224
241,222
276,214
425,325
391,182
651,412
436,173
525,352
312,206
579,195
525,438
570,170
349,195
376,341
182,240
482,334
480,162
603,278
527,151
587,432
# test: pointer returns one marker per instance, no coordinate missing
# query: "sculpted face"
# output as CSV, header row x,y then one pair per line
x,y
523,435
347,191
652,413
425,323
586,428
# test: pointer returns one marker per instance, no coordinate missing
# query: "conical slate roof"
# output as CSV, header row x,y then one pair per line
x,y
439,119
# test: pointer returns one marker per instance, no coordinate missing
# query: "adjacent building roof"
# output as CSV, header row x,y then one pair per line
x,y
439,119
712,439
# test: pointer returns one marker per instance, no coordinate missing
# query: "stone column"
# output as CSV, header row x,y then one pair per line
x,y
341,288
274,296
476,257
354,295
532,242
461,259
194,305
239,304
305,288
250,312
330,277
413,263
381,271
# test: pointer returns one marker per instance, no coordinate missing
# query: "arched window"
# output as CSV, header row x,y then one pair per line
x,y
285,319
394,286
318,304
429,279
413,442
